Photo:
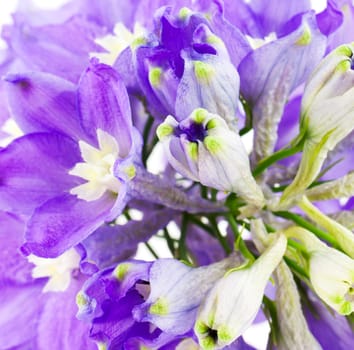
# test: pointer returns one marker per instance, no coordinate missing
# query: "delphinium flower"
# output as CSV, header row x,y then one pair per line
x,y
133,120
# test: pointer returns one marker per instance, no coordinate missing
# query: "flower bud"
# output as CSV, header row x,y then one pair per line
x,y
327,116
203,148
331,272
231,306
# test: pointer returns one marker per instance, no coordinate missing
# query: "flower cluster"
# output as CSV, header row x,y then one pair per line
x,y
224,129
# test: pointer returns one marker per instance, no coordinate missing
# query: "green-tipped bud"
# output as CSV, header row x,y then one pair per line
x,y
327,117
331,272
232,304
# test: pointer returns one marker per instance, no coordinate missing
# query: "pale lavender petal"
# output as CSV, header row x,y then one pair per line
x,y
48,49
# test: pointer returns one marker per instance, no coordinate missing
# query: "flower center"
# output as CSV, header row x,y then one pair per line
x,y
58,270
97,169
194,132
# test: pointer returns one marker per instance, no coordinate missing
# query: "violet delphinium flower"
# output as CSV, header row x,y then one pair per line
x,y
73,160
203,127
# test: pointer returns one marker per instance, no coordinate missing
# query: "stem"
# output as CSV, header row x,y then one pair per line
x,y
152,251
146,133
281,154
341,234
182,249
220,237
242,245
170,242
305,224
294,266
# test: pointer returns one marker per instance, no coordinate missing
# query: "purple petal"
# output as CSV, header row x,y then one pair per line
x,y
58,326
273,14
330,18
34,168
63,222
111,244
53,103
104,104
14,268
20,308
48,49
330,329
270,73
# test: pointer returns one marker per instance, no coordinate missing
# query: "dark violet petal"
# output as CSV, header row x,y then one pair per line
x,y
34,168
330,18
116,322
20,309
58,326
14,267
338,21
63,222
104,104
111,244
52,104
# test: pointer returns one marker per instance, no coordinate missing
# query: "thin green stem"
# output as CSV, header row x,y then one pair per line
x,y
170,241
298,219
275,157
238,238
219,236
151,250
146,133
294,266
182,249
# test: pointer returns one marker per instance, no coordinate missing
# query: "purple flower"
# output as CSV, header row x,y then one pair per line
x,y
26,311
64,168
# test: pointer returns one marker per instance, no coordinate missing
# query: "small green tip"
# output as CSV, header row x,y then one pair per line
x,y
203,71
343,66
155,76
81,299
192,150
344,50
213,123
120,271
159,307
305,38
184,13
213,39
164,130
212,144
199,115
130,171
139,41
